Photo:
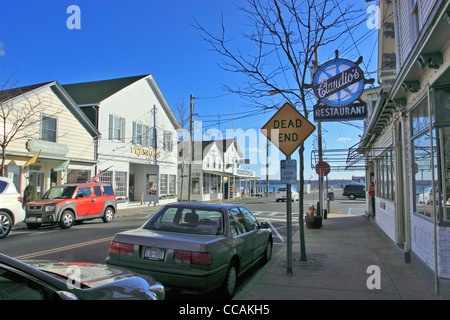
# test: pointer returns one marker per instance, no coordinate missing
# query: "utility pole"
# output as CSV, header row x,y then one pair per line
x,y
191,147
319,133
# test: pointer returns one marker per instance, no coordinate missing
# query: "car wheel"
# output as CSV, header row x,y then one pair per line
x,y
278,200
5,224
109,215
352,196
67,219
267,253
230,282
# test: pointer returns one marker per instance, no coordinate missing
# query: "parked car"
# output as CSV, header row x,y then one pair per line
x,y
11,211
45,280
280,195
353,191
68,203
195,247
427,196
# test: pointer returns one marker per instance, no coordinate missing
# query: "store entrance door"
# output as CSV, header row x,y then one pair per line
x,y
38,181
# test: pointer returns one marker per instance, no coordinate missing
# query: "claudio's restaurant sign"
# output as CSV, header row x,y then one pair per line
x,y
338,85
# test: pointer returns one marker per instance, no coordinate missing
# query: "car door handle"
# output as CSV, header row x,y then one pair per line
x,y
94,200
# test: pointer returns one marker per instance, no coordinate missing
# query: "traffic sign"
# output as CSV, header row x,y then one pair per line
x,y
322,168
288,171
288,129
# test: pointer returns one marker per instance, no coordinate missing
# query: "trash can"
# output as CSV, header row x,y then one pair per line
x,y
330,196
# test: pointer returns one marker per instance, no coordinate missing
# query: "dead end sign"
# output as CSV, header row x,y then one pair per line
x,y
288,129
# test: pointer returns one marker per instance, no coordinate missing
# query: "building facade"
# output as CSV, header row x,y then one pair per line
x,y
216,171
56,129
139,131
406,141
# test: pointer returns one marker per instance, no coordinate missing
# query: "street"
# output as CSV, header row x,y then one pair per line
x,y
89,241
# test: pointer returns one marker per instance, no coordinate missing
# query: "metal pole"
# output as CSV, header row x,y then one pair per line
x,y
191,145
289,226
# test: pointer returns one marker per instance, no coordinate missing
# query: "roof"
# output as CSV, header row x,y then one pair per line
x,y
95,92
9,94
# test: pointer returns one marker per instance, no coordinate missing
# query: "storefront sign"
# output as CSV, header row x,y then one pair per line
x,y
47,147
354,111
145,152
244,173
338,82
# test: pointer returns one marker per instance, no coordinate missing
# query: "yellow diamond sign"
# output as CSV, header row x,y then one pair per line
x,y
288,129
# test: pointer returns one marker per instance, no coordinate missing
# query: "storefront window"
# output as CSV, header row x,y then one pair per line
x,y
152,184
206,183
163,184
120,184
78,176
385,182
424,159
172,184
444,134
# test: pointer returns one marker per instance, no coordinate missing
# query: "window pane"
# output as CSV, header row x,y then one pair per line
x,y
120,184
48,129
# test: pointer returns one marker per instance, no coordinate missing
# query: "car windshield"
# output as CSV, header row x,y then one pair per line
x,y
60,192
187,220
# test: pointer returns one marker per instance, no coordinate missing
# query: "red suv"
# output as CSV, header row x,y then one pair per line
x,y
68,203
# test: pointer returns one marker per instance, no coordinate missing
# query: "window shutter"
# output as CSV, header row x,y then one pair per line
x,y
111,127
122,131
134,132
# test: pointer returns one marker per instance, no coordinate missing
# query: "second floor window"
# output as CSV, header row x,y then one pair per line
x,y
168,143
48,128
116,128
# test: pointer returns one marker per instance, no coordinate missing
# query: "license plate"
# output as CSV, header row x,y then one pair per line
x,y
154,254
33,219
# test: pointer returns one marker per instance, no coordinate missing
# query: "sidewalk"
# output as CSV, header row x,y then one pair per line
x,y
338,257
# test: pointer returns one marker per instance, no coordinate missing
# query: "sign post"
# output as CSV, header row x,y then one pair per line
x,y
287,130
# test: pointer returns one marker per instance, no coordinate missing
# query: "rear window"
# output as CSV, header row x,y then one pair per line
x,y
282,189
108,190
187,220
3,185
97,191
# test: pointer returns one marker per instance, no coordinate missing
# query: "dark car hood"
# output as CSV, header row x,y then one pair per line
x,y
114,282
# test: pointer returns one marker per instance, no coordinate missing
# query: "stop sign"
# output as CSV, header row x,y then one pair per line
x,y
322,168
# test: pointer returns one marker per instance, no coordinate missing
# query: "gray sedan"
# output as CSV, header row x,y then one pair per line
x,y
195,247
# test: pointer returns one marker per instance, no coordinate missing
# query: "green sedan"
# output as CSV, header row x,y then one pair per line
x,y
195,247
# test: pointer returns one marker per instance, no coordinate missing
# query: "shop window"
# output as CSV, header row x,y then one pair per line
x,y
106,178
48,128
206,183
172,184
444,134
152,184
425,165
385,182
163,184
120,184
78,176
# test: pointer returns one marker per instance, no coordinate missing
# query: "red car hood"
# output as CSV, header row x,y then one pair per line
x,y
44,202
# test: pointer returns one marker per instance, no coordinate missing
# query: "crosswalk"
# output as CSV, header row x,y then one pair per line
x,y
277,223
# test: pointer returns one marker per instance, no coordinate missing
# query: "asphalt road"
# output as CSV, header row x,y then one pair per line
x,y
89,241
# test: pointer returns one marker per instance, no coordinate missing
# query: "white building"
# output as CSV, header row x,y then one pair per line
x,y
216,171
407,147
138,145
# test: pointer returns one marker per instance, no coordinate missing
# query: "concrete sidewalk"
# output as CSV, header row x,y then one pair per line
x,y
339,255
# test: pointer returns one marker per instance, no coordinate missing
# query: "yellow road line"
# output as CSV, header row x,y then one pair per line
x,y
72,246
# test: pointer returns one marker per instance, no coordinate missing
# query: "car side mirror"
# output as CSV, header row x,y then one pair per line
x,y
80,195
264,225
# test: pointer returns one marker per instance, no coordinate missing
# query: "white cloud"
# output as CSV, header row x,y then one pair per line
x,y
2,50
343,139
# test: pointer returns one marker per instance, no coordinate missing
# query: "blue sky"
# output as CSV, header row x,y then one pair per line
x,y
136,37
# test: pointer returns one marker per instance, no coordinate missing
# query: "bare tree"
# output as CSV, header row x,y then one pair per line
x,y
20,115
280,50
